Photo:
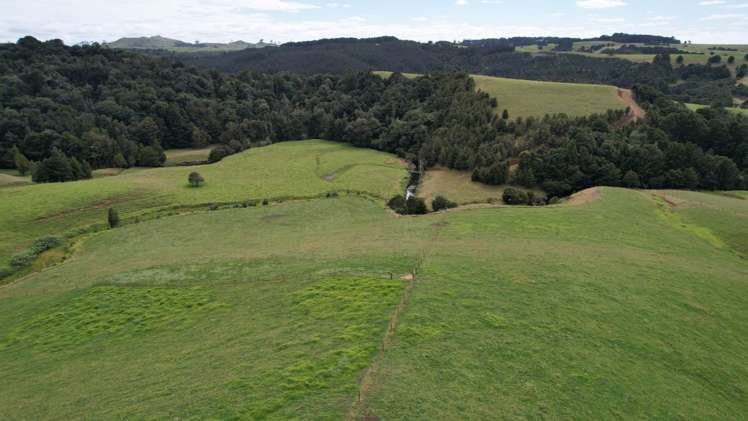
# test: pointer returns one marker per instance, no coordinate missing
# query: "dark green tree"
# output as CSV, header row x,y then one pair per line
x,y
56,168
112,218
195,179
441,203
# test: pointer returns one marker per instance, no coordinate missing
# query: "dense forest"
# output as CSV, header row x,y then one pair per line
x,y
68,109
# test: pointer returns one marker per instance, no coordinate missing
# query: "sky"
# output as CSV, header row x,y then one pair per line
x,y
73,21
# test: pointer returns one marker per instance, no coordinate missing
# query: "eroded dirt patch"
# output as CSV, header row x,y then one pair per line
x,y
584,196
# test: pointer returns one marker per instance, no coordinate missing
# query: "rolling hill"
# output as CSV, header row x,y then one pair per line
x,y
629,304
311,168
162,43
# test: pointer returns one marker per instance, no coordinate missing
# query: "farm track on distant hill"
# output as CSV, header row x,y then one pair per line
x,y
637,112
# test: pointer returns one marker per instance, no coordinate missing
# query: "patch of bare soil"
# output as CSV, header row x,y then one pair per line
x,y
584,196
636,112
408,277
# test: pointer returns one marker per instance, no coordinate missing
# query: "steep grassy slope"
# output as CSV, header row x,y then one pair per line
x,y
526,98
603,310
291,169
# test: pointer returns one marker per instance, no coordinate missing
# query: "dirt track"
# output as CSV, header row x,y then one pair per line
x,y
637,112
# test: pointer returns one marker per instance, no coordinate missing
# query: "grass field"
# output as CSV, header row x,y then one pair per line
x,y
458,187
631,306
694,107
182,156
700,53
526,98
310,168
13,178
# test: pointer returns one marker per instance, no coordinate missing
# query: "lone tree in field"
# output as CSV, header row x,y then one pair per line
x,y
731,60
679,60
505,115
112,218
195,179
22,163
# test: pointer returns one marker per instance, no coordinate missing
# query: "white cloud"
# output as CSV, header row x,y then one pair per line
x,y
725,16
600,4
607,20
461,2
712,2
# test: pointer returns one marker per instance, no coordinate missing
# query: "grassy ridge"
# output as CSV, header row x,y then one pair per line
x,y
529,98
604,310
309,168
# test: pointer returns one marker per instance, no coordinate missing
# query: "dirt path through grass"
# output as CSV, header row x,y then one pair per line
x,y
370,375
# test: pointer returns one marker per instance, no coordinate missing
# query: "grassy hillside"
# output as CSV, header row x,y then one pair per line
x,y
526,98
698,53
309,168
695,107
623,307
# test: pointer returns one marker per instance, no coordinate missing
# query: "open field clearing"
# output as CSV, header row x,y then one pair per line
x,y
457,186
609,309
182,156
13,178
694,107
526,98
309,168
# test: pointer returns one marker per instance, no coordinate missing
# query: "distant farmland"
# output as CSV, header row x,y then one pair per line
x,y
529,98
526,98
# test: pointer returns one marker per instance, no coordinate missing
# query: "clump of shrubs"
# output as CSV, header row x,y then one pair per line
x,y
331,194
218,153
265,202
411,206
39,246
442,203
514,196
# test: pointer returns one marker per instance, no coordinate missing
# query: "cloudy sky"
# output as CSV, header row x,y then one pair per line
x,y
712,21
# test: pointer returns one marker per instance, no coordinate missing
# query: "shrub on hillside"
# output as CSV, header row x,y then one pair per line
x,y
38,247
397,203
412,206
218,153
195,179
513,196
112,218
416,206
441,203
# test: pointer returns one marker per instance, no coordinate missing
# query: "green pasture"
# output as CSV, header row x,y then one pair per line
x,y
631,306
281,171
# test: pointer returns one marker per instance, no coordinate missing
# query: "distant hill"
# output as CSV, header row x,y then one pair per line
x,y
162,43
